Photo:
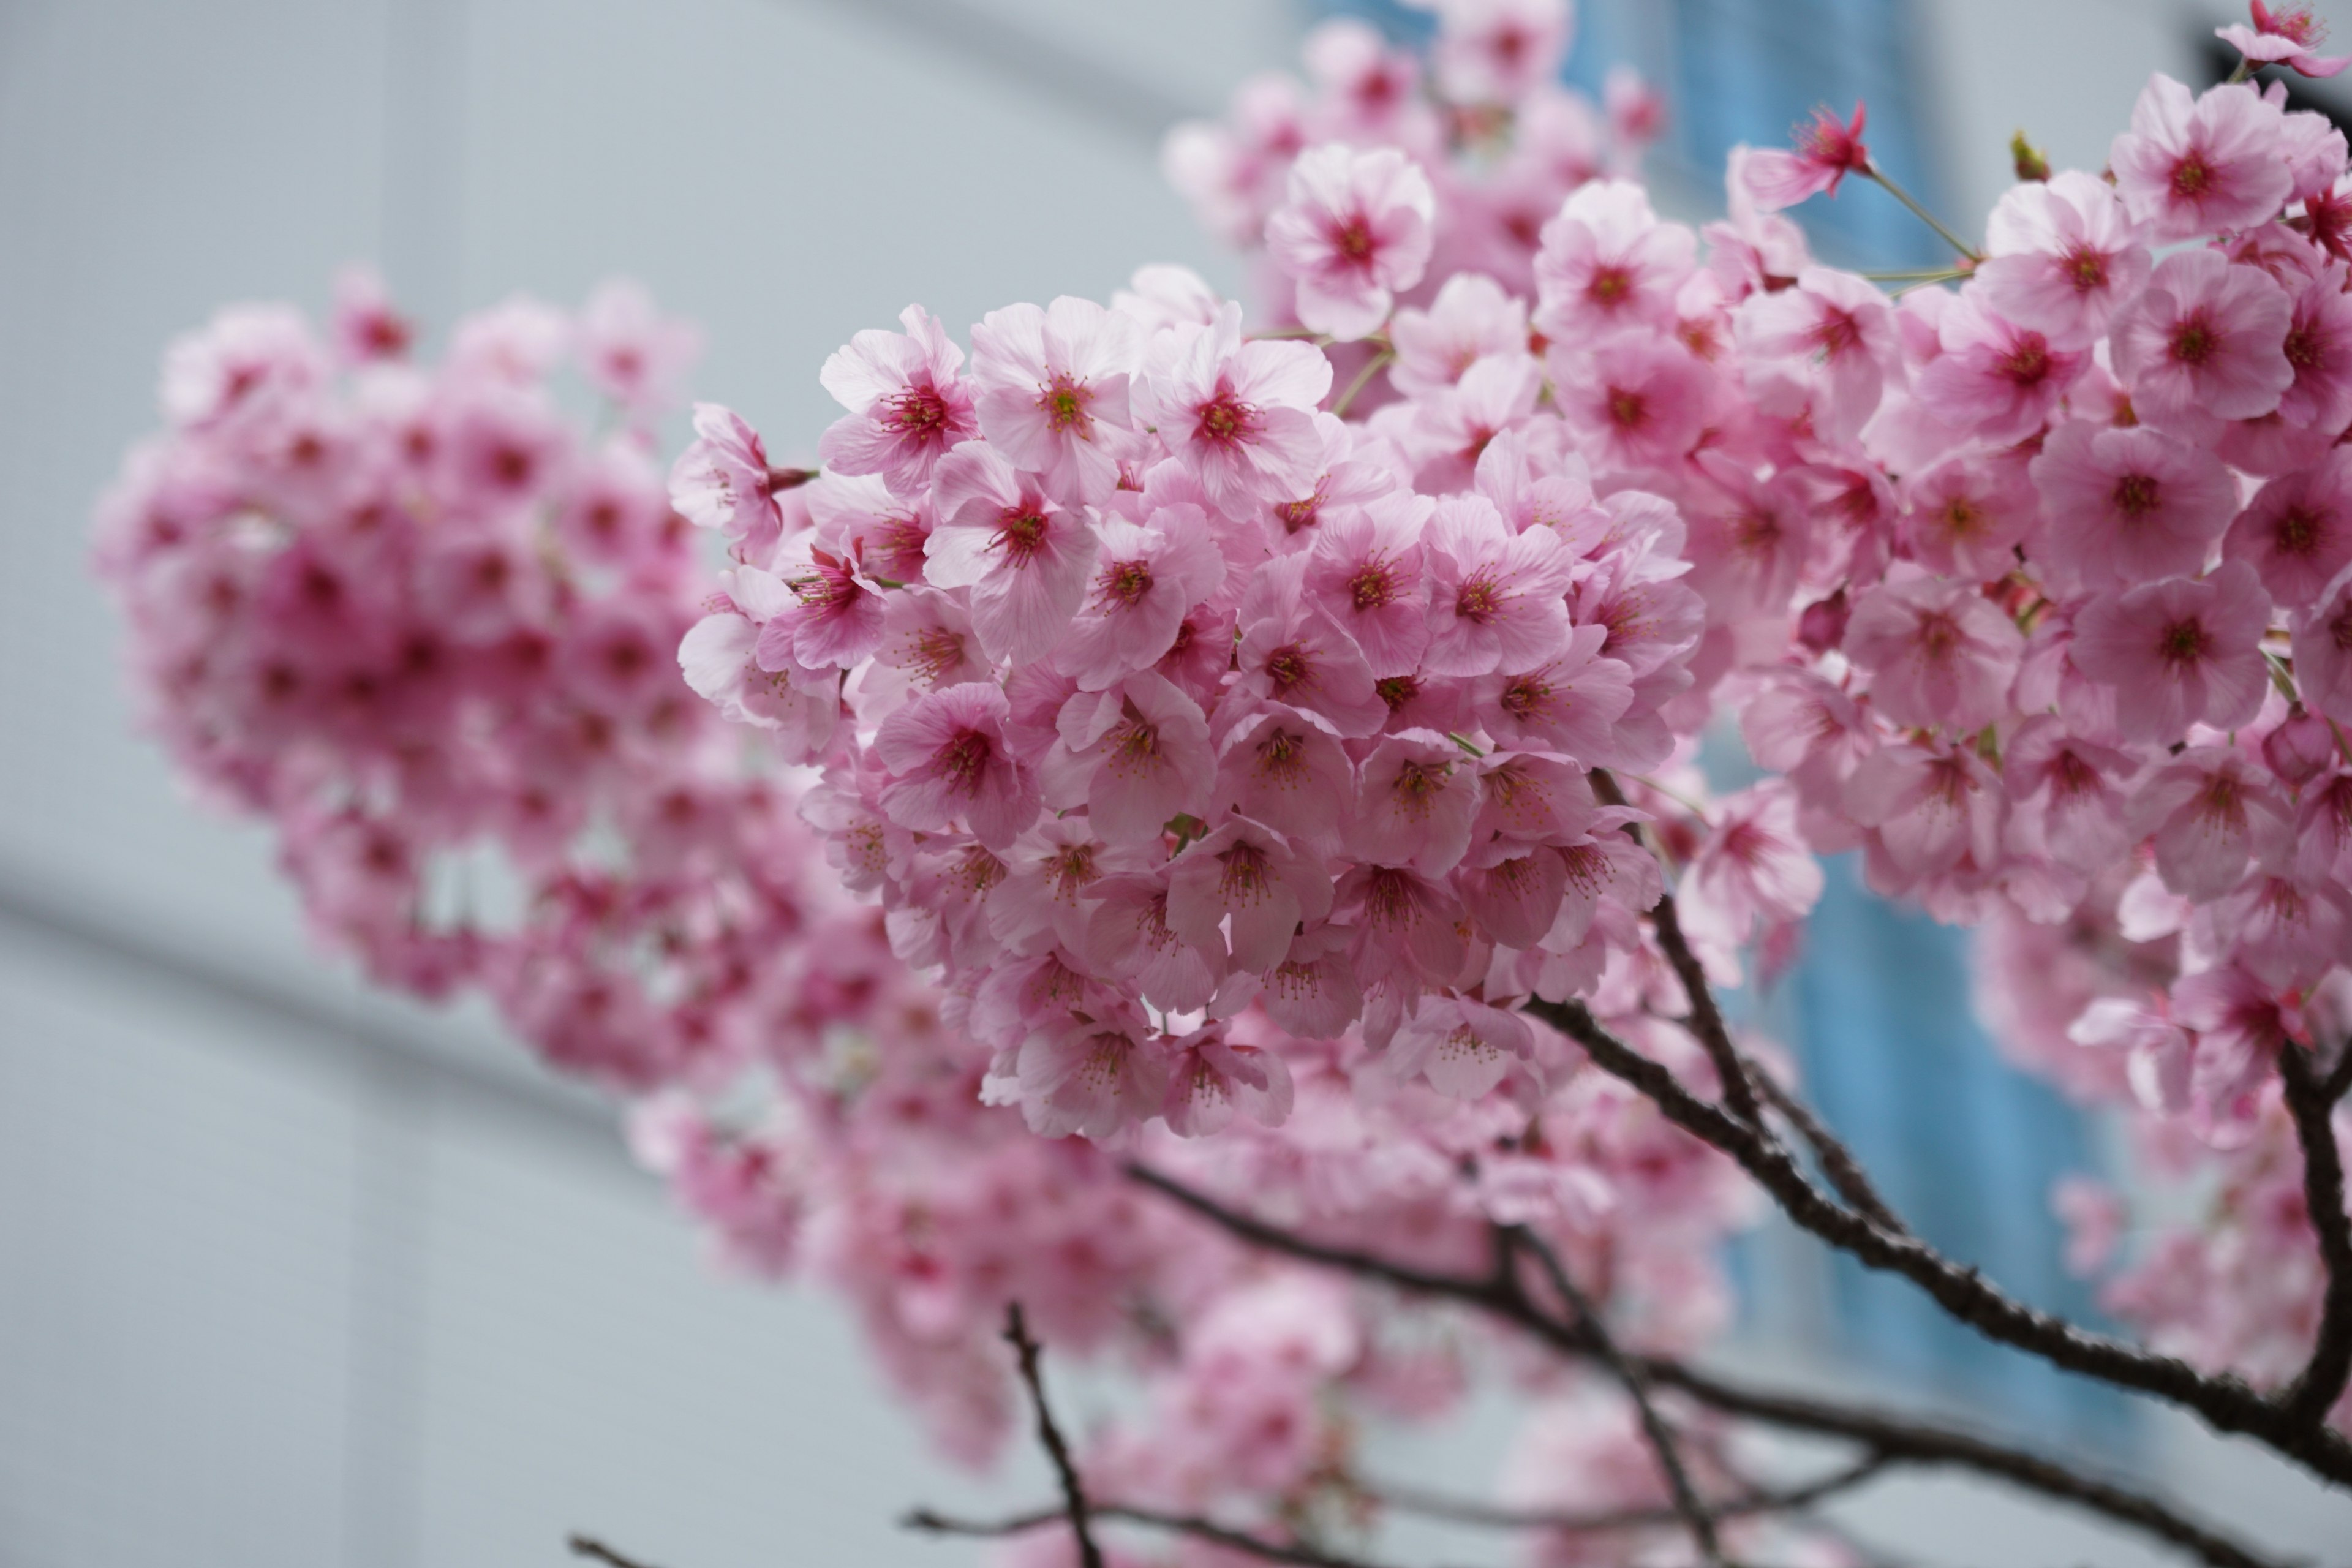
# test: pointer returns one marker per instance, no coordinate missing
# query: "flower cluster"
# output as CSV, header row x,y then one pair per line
x,y
425,625
1175,681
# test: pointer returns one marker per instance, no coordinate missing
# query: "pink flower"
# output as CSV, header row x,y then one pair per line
x,y
1088,1076
2205,339
1365,573
2064,795
367,329
1355,234
2178,652
1239,415
907,408
1826,152
1993,378
1497,599
1940,654
1247,882
1636,401
2323,650
2061,255
2297,531
947,759
1147,746
1836,325
1569,703
834,620
1292,652
2319,346
1052,383
2290,35
2128,505
1463,1049
1498,51
2209,812
1144,578
1607,262
1281,767
1407,929
1931,810
629,350
1964,516
1470,318
1416,796
721,481
248,358
1211,1076
1753,866
1025,560
2188,167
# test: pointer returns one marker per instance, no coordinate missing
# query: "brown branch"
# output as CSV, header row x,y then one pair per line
x,y
1183,1524
588,1546
1049,1435
1901,1438
1693,1514
1458,1511
1845,1172
2227,1404
2316,1391
1705,1019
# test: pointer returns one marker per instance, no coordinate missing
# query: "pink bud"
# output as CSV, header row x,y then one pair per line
x,y
1823,625
2300,748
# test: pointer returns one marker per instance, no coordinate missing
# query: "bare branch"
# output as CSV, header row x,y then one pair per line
x,y
2228,1403
2316,1391
1902,1440
1458,1511
588,1546
1846,1173
1049,1434
1183,1524
1693,1514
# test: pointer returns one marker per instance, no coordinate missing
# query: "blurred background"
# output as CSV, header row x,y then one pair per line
x,y
291,1275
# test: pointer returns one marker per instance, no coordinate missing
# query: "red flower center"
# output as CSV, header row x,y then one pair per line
x,y
2135,495
2183,642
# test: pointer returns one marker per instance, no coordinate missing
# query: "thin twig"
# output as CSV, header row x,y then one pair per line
x,y
588,1546
1372,367
1049,1434
2314,1392
1183,1524
1459,1510
1694,1514
1875,172
1902,1439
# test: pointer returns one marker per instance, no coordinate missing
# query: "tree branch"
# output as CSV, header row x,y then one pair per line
x,y
2308,1099
1845,1172
1694,1514
2228,1403
1902,1440
588,1546
1074,1496
1183,1524
1458,1510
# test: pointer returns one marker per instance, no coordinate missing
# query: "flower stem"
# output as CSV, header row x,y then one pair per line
x,y
1922,214
1378,363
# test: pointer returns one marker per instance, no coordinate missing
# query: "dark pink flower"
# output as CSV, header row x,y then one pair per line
x,y
2128,505
2290,35
1940,654
948,761
1026,559
1826,152
1993,378
2178,652
2297,531
2206,340
2323,650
